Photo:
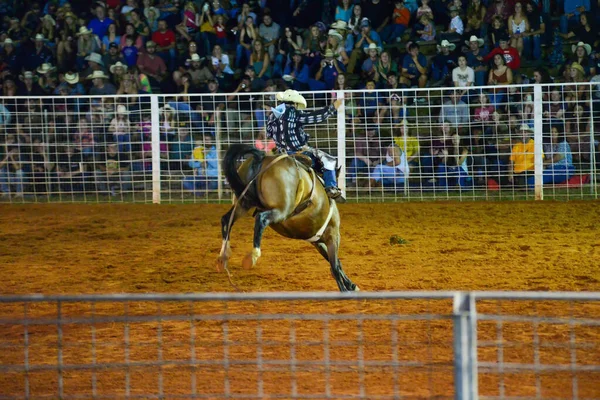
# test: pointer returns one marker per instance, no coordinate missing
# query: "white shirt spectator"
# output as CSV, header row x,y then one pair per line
x,y
457,25
465,77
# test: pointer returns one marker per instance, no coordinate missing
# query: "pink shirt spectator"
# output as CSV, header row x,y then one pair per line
x,y
484,114
190,20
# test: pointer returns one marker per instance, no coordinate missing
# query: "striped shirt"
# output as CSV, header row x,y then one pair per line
x,y
287,130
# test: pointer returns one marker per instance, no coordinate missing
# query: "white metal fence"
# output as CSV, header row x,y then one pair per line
x,y
394,145
386,345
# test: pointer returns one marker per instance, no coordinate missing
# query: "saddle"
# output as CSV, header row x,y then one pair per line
x,y
303,160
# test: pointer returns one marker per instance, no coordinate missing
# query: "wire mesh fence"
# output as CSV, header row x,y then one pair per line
x,y
501,142
301,345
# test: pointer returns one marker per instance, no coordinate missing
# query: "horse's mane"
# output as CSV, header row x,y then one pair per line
x,y
238,185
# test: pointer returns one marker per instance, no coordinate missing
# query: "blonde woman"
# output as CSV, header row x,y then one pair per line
x,y
67,40
87,43
335,43
517,26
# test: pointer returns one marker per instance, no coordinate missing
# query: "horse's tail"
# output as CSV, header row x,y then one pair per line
x,y
233,154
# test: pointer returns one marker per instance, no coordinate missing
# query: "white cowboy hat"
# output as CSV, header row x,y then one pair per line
x,y
447,44
8,41
336,34
72,79
526,128
372,46
39,37
166,108
340,25
292,96
116,65
147,12
97,75
45,68
587,47
121,109
287,78
195,58
95,57
27,75
49,18
329,53
474,38
84,31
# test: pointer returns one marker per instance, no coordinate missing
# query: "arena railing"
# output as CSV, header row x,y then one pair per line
x,y
376,345
422,144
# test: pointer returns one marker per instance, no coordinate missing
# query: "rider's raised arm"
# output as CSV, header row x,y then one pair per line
x,y
316,117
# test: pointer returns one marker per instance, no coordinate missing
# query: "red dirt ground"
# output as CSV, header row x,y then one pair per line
x,y
70,249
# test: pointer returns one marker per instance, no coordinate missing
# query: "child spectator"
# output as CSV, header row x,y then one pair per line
x,y
204,163
414,68
401,19
463,76
424,31
190,23
130,52
120,127
456,27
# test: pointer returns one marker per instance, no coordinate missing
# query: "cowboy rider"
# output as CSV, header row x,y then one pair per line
x,y
285,127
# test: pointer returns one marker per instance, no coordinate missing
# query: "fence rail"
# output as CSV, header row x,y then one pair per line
x,y
380,345
392,145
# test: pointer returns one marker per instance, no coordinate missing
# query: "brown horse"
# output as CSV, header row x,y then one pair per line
x,y
289,199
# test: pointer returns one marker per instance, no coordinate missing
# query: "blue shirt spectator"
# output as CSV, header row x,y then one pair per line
x,y
99,25
409,64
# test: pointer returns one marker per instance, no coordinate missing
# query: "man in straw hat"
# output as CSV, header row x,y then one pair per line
x,y
101,84
41,54
328,72
522,159
475,59
366,36
443,63
286,127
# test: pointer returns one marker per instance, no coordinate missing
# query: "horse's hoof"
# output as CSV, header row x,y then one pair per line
x,y
221,264
356,288
247,262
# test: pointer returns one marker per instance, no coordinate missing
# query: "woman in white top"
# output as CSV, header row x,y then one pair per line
x,y
517,26
220,62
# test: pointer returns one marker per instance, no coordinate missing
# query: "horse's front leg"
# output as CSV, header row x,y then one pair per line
x,y
261,221
227,222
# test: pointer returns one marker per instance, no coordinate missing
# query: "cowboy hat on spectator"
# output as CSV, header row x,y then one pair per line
x,y
372,46
26,75
39,37
116,65
335,34
97,75
526,128
195,58
587,47
122,110
49,18
72,79
154,9
474,38
292,96
8,42
69,14
329,53
340,25
84,31
578,67
445,43
96,58
45,68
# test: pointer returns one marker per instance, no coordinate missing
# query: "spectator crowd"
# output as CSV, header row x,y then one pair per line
x,y
242,52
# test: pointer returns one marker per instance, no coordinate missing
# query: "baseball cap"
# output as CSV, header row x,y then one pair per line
x,y
113,45
365,23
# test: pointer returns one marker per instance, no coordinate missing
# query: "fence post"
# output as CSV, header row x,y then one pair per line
x,y
538,141
341,141
219,153
465,347
155,109
593,172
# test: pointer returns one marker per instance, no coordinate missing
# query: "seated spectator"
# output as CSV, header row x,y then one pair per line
x,y
483,116
579,124
248,34
369,104
205,165
497,30
522,159
573,9
463,76
367,154
220,31
424,31
555,108
408,141
424,9
71,85
400,20
393,171
152,66
312,42
584,32
498,9
475,60
510,55
48,29
165,44
385,67
575,91
130,52
378,12
454,110
260,60
99,25
343,11
136,40
87,43
242,16
532,40
113,55
414,68
269,31
340,83
256,84
10,57
369,66
501,75
84,138
118,72
453,165
241,106
140,26
581,55
47,78
12,175
190,22
456,27
40,54
443,64
475,18
366,36
518,26
29,87
296,72
128,85
558,160
328,71
289,43
355,20
335,43
101,84
120,127
152,16
111,37
113,171
220,67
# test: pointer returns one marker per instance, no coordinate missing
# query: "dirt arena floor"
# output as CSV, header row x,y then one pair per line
x,y
74,249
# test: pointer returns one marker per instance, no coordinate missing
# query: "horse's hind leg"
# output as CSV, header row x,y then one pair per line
x,y
329,251
226,232
261,221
